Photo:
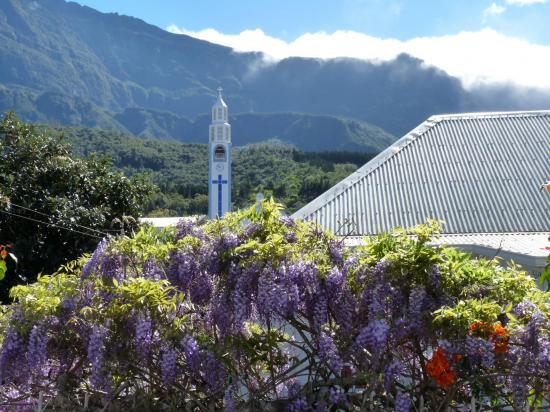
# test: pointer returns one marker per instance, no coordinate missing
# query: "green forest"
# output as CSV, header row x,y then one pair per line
x,y
179,171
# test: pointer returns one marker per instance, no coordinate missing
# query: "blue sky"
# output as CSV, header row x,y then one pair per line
x,y
288,19
478,41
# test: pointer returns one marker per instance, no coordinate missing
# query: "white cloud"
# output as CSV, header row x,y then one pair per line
x,y
484,56
524,2
494,10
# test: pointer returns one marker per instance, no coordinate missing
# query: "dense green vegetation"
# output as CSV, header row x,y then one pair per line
x,y
258,312
180,170
78,200
54,206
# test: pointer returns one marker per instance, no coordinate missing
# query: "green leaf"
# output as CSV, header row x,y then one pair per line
x,y
3,269
545,277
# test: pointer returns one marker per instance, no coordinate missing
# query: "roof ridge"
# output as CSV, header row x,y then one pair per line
x,y
377,161
482,115
528,233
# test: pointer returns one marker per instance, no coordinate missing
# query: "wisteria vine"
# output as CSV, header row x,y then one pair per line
x,y
257,311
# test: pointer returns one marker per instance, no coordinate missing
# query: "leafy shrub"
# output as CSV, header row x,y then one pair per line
x,y
257,311
54,206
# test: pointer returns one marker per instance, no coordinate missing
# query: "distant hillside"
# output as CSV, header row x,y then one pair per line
x,y
303,131
180,170
66,63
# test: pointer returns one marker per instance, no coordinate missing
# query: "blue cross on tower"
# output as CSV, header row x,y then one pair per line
x,y
220,182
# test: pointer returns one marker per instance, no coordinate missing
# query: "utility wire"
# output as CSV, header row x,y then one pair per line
x,y
50,224
9,202
46,215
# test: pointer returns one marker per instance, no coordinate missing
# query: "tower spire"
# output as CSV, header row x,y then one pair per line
x,y
219,160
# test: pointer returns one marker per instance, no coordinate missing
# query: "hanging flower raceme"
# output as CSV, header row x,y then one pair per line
x,y
257,311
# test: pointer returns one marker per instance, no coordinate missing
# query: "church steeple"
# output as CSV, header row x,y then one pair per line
x,y
219,160
219,109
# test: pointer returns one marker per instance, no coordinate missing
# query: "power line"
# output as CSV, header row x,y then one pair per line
x,y
46,215
9,202
50,224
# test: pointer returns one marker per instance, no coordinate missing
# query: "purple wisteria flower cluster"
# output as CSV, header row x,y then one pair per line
x,y
258,311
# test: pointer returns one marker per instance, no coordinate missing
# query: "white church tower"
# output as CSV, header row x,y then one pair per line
x,y
219,160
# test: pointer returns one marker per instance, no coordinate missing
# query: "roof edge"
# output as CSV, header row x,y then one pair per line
x,y
396,147
526,257
367,168
478,115
463,234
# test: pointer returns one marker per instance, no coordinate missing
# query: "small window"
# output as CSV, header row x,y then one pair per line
x,y
219,113
219,154
219,134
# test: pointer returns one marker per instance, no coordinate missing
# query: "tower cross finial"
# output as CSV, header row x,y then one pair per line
x,y
220,91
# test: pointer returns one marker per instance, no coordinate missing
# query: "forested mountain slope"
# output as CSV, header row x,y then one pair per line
x,y
67,63
180,170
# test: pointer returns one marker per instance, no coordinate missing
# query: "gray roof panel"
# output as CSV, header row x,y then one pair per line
x,y
478,172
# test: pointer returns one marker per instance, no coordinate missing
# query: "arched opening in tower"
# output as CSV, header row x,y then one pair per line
x,y
219,154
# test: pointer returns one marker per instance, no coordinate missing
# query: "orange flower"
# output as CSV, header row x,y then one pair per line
x,y
476,325
440,370
500,338
495,332
4,251
446,379
481,329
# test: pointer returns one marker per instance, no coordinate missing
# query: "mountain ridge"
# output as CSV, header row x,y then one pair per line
x,y
68,63
295,129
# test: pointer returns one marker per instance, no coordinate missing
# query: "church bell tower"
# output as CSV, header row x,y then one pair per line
x,y
219,160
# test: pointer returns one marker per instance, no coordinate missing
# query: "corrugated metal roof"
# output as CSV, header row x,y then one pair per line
x,y
478,172
531,244
527,249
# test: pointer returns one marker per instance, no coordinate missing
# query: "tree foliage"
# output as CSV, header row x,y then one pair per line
x,y
76,200
257,311
180,171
